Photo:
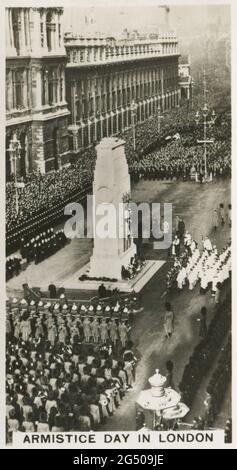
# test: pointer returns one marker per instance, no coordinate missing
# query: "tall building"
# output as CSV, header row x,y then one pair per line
x,y
36,108
110,83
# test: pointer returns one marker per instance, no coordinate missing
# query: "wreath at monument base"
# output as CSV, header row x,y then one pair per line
x,y
85,277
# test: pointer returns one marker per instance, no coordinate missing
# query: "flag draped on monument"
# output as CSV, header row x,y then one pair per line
x,y
114,247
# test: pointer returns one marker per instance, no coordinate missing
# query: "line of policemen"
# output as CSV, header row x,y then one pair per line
x,y
218,384
119,309
43,245
205,353
13,267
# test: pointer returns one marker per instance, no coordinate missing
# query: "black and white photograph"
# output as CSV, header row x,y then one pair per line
x,y
116,157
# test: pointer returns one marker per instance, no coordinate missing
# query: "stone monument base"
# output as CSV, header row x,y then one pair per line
x,y
135,284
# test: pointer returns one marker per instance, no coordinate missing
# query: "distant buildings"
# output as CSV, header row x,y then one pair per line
x,y
65,93
107,79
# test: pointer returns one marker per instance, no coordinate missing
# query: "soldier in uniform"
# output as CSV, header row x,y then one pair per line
x,y
104,331
113,328
87,329
123,333
95,330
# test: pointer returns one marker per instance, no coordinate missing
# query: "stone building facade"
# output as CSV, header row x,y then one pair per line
x,y
36,108
185,78
112,84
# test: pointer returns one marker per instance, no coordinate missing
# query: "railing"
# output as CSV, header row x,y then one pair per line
x,y
113,56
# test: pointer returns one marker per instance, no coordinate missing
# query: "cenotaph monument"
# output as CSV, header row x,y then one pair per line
x,y
112,188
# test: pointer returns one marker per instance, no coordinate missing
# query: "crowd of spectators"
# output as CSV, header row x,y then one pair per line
x,y
154,157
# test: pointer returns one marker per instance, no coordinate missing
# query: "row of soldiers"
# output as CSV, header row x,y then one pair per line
x,y
43,245
209,267
121,308
58,328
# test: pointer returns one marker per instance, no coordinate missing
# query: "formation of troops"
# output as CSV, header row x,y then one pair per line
x,y
209,267
68,365
43,245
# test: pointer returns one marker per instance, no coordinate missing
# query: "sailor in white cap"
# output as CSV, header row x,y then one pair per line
x,y
56,307
181,278
65,308
107,311
40,306
125,310
99,309
32,307
117,308
47,305
204,281
83,309
207,245
74,308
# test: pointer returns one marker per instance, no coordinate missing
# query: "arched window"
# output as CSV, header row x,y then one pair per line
x,y
17,89
16,24
50,31
61,85
51,87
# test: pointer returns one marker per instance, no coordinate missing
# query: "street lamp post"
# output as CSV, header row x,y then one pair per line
x,y
205,112
15,153
159,118
73,128
133,114
205,141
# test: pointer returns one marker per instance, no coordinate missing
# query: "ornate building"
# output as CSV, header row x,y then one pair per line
x,y
112,83
36,109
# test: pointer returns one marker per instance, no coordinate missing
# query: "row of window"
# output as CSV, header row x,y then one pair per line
x,y
110,102
52,86
17,88
112,125
126,95
125,80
